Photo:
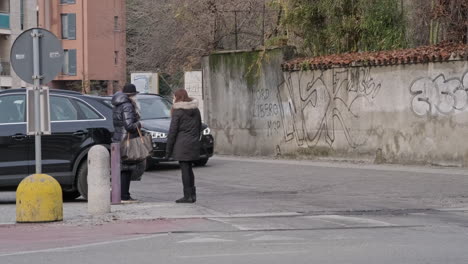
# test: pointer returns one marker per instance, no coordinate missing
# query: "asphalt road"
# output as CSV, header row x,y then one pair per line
x,y
268,211
236,186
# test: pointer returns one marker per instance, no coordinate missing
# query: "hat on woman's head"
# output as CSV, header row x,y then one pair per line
x,y
129,89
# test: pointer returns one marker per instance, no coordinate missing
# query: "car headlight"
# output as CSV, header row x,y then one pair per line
x,y
155,134
207,131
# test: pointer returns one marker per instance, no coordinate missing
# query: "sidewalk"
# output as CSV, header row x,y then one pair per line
x,y
75,213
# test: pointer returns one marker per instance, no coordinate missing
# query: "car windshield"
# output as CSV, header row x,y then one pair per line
x,y
154,108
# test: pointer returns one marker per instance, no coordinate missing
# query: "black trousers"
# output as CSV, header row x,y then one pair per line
x,y
188,178
125,179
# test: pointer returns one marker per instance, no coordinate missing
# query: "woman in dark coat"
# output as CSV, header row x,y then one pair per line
x,y
126,121
183,141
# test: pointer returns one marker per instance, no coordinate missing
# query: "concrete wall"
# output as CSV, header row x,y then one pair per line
x,y
413,114
193,85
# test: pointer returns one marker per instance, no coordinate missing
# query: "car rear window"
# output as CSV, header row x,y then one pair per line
x,y
12,108
89,114
62,109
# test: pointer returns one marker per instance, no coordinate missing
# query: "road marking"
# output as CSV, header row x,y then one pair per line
x,y
247,254
462,209
349,221
252,226
275,238
216,216
284,243
204,240
60,249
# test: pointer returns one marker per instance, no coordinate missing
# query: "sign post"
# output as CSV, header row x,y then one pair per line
x,y
37,100
37,57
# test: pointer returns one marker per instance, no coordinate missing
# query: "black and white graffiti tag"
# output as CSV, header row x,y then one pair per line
x,y
315,107
440,95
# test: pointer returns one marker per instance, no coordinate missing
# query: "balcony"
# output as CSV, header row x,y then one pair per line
x,y
4,21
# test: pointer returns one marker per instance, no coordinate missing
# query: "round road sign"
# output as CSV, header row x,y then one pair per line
x,y
50,56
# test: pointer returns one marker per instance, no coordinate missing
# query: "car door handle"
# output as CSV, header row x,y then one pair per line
x,y
80,133
19,137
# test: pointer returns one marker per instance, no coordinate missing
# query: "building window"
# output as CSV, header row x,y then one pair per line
x,y
116,23
68,26
5,7
116,57
69,62
67,1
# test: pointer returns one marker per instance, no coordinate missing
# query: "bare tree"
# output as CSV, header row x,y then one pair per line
x,y
173,35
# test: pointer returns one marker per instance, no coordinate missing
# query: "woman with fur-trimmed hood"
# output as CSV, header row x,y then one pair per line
x,y
183,141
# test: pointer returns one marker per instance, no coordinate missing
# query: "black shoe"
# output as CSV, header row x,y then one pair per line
x,y
185,200
129,200
187,196
194,194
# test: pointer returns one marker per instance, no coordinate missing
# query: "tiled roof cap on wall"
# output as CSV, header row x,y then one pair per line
x,y
424,54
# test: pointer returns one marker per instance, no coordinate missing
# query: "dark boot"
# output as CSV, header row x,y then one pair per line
x,y
194,194
187,196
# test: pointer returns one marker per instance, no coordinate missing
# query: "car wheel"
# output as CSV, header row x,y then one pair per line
x,y
72,195
201,162
82,179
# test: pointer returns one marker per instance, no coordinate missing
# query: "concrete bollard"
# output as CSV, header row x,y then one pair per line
x,y
39,199
98,180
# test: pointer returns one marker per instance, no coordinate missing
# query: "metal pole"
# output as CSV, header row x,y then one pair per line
x,y
37,101
115,173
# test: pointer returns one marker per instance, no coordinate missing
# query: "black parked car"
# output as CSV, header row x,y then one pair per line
x,y
78,123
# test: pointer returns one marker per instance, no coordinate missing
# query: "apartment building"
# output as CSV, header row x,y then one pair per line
x,y
15,17
94,43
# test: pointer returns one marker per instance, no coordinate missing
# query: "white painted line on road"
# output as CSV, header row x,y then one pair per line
x,y
247,254
349,221
275,238
263,243
60,249
260,215
204,240
251,226
216,216
253,234
462,209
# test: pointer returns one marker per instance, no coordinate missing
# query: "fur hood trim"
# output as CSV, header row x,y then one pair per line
x,y
186,105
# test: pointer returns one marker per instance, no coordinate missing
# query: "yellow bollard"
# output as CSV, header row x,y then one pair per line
x,y
39,199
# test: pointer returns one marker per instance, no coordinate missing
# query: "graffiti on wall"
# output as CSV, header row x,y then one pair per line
x,y
267,109
315,108
439,96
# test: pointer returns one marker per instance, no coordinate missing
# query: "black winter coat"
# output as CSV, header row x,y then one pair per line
x,y
183,141
125,118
